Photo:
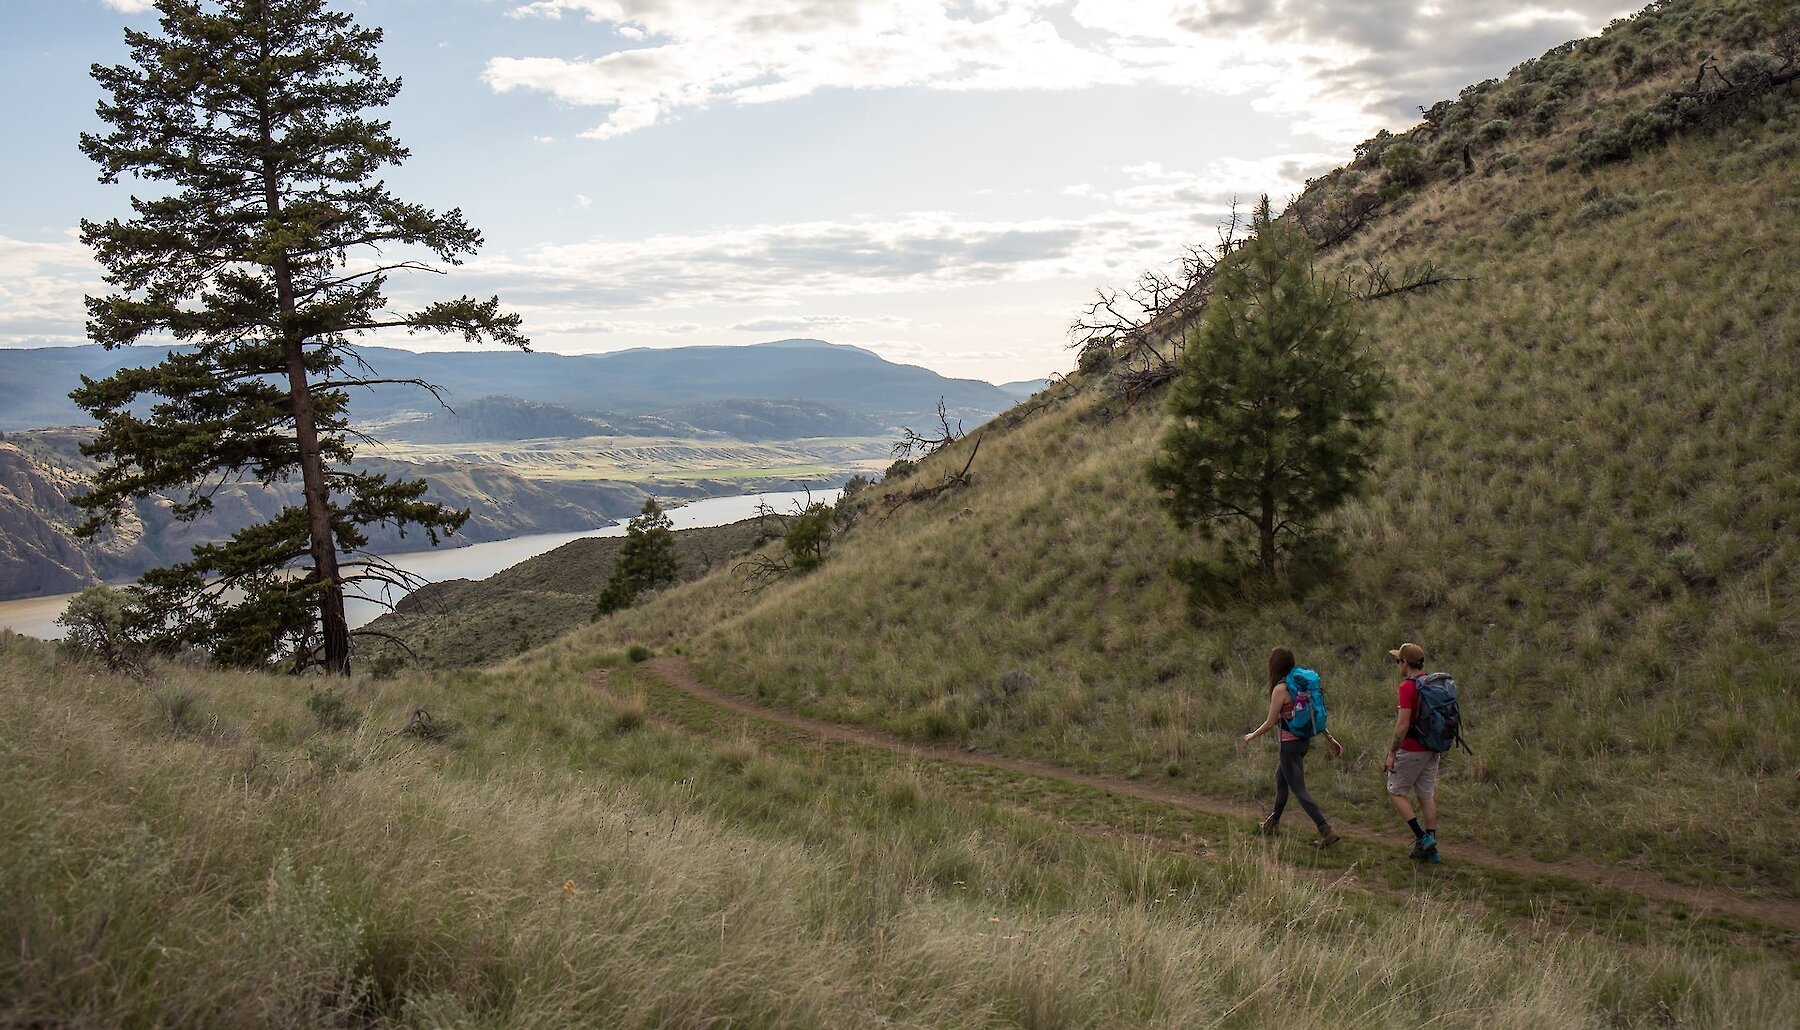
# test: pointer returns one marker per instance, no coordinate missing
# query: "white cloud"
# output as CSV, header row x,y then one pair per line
x,y
42,286
817,324
584,200
130,6
1327,63
730,273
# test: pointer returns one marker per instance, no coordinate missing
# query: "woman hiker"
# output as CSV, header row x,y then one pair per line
x,y
1290,772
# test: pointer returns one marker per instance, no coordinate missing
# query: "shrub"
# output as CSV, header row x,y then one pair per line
x,y
637,653
1624,62
1514,102
1494,131
182,710
330,757
1606,206
809,537
101,623
332,710
1404,165
851,501
1096,357
1604,146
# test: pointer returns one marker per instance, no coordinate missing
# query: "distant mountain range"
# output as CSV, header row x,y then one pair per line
x,y
1024,387
683,384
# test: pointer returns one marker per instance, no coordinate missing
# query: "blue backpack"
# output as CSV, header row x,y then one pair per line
x,y
1437,722
1308,719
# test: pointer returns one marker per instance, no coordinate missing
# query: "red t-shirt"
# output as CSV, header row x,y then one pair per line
x,y
1409,698
1287,712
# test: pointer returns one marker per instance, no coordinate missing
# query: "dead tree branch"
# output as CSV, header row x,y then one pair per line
x,y
424,727
389,637
759,570
1336,217
913,441
1377,281
950,482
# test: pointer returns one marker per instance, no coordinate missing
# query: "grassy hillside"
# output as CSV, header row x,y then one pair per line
x,y
1585,511
204,849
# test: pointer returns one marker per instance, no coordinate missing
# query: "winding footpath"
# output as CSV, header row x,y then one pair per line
x,y
1777,912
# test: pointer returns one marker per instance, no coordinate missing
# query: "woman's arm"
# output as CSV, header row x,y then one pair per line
x,y
1277,699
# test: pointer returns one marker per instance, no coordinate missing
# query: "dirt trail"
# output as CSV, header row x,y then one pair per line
x,y
1777,912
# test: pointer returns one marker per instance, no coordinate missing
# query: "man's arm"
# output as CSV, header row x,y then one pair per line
x,y
1402,723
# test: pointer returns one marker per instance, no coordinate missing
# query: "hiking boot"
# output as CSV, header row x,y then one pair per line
x,y
1423,847
1269,827
1432,857
1327,837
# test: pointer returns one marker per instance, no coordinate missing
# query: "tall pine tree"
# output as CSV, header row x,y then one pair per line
x,y
263,245
1273,409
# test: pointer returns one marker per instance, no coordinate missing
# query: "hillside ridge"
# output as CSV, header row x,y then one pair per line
x,y
1583,508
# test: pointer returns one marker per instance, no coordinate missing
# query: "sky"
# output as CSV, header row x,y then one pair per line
x,y
943,182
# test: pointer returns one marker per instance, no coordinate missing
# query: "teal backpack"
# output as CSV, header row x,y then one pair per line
x,y
1308,719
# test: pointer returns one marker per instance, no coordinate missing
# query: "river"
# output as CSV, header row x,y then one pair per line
x,y
36,616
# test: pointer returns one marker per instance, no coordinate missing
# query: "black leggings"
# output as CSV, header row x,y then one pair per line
x,y
1291,775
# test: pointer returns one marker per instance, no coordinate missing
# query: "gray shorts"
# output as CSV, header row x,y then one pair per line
x,y
1415,772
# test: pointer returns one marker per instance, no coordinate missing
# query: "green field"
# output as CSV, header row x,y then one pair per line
x,y
658,459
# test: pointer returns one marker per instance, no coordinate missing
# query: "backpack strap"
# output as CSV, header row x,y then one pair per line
x,y
1412,726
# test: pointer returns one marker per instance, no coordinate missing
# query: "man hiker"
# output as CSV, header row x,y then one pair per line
x,y
1412,768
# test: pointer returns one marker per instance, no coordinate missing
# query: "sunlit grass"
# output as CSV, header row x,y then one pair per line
x,y
564,859
1585,511
657,459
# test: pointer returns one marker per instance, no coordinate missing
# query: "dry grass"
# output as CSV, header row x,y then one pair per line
x,y
555,867
1586,512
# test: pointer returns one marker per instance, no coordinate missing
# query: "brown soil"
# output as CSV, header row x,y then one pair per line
x,y
1777,912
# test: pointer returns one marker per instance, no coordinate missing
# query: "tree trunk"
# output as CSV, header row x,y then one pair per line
x,y
332,623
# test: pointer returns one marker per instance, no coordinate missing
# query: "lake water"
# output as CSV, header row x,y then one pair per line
x,y
36,616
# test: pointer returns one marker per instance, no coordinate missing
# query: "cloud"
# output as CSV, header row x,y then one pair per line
x,y
730,274
130,6
817,324
584,200
779,265
1328,63
42,286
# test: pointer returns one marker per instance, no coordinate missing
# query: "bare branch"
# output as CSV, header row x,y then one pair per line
x,y
1378,282
914,441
